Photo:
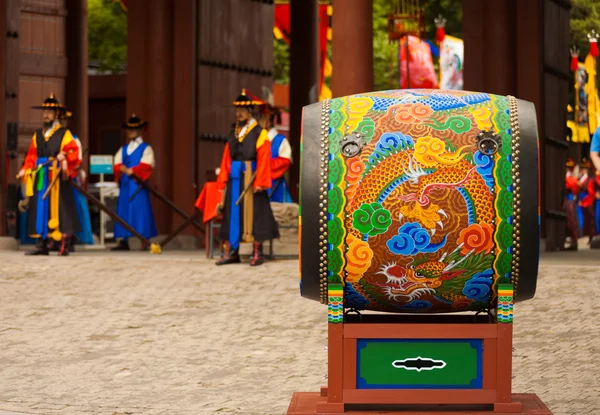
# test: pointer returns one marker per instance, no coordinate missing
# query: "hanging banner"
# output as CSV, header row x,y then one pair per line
x,y
451,63
591,91
281,29
582,133
421,73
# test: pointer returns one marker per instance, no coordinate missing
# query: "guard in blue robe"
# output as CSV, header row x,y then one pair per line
x,y
86,236
133,205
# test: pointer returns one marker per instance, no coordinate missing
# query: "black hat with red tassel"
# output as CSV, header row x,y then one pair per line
x,y
440,23
574,58
593,38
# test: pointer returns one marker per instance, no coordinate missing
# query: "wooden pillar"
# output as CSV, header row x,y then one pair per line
x,y
184,105
149,88
159,99
77,76
137,66
473,37
304,74
494,73
352,47
3,150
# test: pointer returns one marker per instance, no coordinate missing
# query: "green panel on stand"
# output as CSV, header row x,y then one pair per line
x,y
419,364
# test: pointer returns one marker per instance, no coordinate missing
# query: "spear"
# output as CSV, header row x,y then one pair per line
x,y
160,196
54,180
154,248
247,189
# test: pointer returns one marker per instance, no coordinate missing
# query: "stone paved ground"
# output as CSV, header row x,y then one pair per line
x,y
173,334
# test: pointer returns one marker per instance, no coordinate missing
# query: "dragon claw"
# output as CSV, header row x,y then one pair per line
x,y
441,212
440,224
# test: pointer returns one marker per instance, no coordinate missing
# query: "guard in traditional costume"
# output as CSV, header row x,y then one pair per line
x,y
281,154
86,236
570,205
49,164
133,206
587,200
245,175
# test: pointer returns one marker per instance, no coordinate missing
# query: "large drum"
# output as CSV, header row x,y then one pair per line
x,y
419,200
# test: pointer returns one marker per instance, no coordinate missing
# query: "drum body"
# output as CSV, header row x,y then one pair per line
x,y
419,200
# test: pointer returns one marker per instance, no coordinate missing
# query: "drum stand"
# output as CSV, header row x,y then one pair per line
x,y
419,364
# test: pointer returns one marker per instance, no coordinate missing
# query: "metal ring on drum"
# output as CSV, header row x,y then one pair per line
x,y
419,200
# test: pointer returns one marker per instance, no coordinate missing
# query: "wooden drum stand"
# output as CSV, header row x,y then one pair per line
x,y
419,364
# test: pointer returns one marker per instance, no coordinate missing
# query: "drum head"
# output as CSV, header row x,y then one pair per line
x,y
419,200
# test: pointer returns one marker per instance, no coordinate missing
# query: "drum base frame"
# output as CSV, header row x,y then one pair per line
x,y
485,388
306,403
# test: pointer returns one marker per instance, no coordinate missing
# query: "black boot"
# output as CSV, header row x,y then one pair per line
x,y
122,246
40,249
257,256
232,256
53,246
71,244
64,246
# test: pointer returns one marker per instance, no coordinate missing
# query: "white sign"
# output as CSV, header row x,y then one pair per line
x,y
101,164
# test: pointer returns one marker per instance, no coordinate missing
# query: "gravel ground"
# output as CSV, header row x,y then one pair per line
x,y
111,334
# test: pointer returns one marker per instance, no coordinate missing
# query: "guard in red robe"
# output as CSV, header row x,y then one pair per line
x,y
587,200
570,205
245,175
52,157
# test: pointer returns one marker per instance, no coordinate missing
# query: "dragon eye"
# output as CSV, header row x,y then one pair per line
x,y
418,274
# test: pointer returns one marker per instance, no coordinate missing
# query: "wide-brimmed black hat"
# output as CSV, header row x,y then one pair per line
x,y
64,113
246,100
271,111
50,103
134,123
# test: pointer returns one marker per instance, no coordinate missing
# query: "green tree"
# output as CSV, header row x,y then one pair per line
x,y
281,67
585,17
107,36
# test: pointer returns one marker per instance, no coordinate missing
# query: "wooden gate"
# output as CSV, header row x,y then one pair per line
x,y
235,39
530,43
43,62
34,64
554,150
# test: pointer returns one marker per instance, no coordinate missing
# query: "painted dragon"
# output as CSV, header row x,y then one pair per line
x,y
416,173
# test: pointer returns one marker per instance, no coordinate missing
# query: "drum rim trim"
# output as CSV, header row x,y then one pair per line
x,y
324,174
515,130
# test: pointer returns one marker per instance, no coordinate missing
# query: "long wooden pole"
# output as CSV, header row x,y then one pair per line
x,y
179,229
109,212
164,199
246,190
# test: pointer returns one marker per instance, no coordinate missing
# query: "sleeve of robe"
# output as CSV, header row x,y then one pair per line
x,y
31,156
263,162
147,163
117,163
224,169
590,194
281,162
71,149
